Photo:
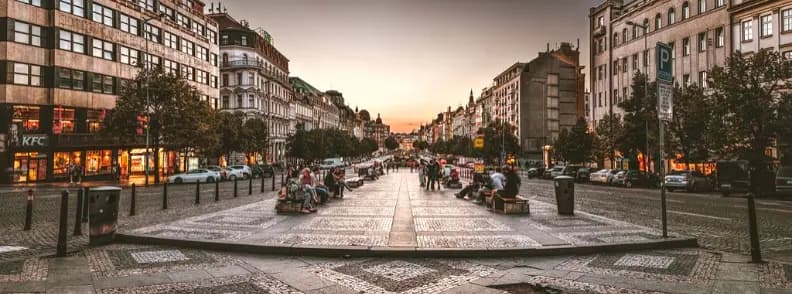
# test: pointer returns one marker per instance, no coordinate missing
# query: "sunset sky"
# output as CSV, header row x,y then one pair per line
x,y
410,59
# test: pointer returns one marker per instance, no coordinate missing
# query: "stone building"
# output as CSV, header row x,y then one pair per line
x,y
255,79
64,66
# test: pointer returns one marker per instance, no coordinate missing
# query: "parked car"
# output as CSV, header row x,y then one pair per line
x,y
691,181
535,172
583,174
599,177
239,172
783,179
223,172
631,178
611,175
570,170
733,177
263,170
195,175
556,171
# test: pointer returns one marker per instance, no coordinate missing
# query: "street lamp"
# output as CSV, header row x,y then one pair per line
x,y
148,99
646,83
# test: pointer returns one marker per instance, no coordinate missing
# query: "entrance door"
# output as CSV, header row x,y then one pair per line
x,y
42,169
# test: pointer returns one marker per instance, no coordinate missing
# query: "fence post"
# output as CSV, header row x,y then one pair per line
x,y
62,226
165,195
273,181
217,190
133,200
262,181
235,186
29,210
198,192
78,215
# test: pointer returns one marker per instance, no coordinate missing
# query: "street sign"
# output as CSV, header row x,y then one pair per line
x,y
665,101
478,143
478,167
665,66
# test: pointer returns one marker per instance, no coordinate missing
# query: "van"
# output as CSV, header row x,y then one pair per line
x,y
332,163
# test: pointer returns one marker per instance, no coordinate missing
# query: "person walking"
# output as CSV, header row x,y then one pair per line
x,y
422,174
432,174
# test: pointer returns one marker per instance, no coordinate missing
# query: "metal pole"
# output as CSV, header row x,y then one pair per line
x,y
78,216
133,200
29,210
85,203
235,186
756,251
262,180
217,190
198,192
664,216
646,94
250,184
165,195
63,223
273,181
148,103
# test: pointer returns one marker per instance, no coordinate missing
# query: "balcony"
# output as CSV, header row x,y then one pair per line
x,y
599,32
252,64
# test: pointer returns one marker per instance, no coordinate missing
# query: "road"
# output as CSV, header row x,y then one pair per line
x,y
719,223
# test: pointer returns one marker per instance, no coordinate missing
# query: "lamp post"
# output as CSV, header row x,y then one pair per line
x,y
147,56
646,83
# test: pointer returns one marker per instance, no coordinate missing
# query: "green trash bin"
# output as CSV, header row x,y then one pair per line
x,y
565,194
103,205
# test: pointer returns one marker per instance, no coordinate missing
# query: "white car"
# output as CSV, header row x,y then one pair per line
x,y
195,175
557,170
600,176
239,172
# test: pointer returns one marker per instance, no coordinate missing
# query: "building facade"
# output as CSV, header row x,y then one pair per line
x,y
64,65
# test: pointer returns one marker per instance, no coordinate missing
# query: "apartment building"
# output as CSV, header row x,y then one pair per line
x,y
64,63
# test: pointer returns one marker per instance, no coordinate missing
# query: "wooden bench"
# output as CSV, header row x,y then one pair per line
x,y
516,205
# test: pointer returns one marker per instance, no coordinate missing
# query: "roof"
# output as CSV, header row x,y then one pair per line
x,y
298,83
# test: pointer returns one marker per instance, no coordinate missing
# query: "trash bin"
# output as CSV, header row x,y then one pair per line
x,y
103,205
565,194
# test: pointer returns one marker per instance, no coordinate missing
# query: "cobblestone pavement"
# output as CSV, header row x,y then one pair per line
x,y
143,269
395,212
718,223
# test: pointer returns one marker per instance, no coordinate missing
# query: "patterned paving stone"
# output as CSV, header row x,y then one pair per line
x,y
191,233
498,241
459,225
608,237
357,211
33,269
776,275
329,240
557,221
158,256
362,224
691,266
449,211
239,284
415,276
556,285
127,260
443,203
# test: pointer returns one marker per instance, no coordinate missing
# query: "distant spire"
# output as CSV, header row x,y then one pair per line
x,y
471,96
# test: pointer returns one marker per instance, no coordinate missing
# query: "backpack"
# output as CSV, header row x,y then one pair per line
x,y
295,190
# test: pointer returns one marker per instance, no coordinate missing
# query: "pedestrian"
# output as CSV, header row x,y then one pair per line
x,y
422,173
308,182
497,179
432,174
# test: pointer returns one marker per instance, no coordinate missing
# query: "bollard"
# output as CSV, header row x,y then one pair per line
x,y
64,211
133,200
282,178
217,190
756,252
198,192
84,192
262,181
235,187
165,195
78,215
29,210
250,185
273,182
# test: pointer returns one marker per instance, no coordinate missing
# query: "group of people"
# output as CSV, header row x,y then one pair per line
x,y
432,174
503,182
305,185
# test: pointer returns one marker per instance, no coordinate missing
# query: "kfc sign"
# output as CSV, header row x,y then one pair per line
x,y
34,140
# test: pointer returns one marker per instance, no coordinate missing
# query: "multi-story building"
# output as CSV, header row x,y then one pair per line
x,y
484,110
255,79
303,105
623,38
66,62
346,116
758,25
326,112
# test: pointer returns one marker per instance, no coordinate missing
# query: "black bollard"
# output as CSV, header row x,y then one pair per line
x,y
198,192
273,182
250,185
29,210
262,181
165,195
217,190
756,252
282,178
133,201
78,215
62,226
84,192
235,187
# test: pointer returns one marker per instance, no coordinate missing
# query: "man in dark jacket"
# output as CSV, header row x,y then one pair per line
x,y
431,173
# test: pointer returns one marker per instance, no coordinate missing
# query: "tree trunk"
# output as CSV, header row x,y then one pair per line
x,y
156,160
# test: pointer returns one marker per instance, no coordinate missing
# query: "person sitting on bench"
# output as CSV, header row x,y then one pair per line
x,y
497,180
479,180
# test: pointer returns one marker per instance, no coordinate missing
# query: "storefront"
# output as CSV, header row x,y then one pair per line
x,y
29,167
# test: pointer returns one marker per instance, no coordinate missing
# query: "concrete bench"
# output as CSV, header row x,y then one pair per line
x,y
516,205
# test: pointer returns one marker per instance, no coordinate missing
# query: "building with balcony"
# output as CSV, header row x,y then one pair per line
x,y
65,62
254,80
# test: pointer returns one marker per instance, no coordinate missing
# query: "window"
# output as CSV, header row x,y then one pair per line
x,y
63,120
615,39
129,56
203,53
685,11
685,46
251,101
102,84
171,40
702,42
239,78
719,3
787,55
671,16
615,97
225,80
103,49
767,25
197,28
71,79
187,47
786,20
634,32
747,31
624,35
76,7
129,24
27,118
646,26
72,42
27,33
203,77
600,21
151,61
703,79
624,94
635,62
214,82
673,50
146,4
225,102
168,12
187,72
702,7
212,35
171,67
238,101
658,22
102,14
213,59
244,40
624,64
152,33
31,2
686,79
183,20
719,38
26,74
599,98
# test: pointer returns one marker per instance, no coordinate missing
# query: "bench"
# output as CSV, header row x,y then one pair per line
x,y
288,206
516,205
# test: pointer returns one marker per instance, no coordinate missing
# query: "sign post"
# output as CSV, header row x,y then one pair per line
x,y
665,111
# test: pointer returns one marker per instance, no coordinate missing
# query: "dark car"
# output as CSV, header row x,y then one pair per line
x,y
583,174
733,176
571,170
535,172
783,179
631,178
264,170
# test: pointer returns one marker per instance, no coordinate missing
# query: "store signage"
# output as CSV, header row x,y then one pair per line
x,y
478,143
34,140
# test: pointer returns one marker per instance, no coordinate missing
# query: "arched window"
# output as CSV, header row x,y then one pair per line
x,y
634,32
624,35
671,16
685,10
615,41
646,26
658,22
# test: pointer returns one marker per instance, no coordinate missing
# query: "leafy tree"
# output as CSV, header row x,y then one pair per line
x,y
421,145
608,130
439,147
461,146
640,120
751,106
253,136
575,145
498,137
689,127
368,146
229,126
391,143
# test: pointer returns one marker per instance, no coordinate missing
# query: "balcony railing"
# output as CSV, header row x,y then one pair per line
x,y
249,63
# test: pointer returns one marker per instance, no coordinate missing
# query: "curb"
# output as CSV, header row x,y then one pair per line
x,y
375,251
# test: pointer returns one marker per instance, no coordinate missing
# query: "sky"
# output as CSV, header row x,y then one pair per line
x,y
410,59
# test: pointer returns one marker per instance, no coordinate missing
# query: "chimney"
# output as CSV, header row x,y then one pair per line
x,y
211,7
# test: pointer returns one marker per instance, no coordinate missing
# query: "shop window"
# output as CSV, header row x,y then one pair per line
x,y
98,162
95,120
63,161
26,118
63,121
29,167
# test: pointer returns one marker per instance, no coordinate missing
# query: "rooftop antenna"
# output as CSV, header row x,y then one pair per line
x,y
211,7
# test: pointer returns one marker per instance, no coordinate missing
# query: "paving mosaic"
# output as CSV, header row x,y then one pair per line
x,y
776,275
239,284
691,266
556,285
329,240
449,211
365,224
33,269
415,276
365,203
127,260
459,225
558,221
497,241
357,211
443,203
608,237
189,233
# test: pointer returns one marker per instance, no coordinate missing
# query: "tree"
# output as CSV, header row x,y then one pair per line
x,y
421,145
253,136
609,128
439,146
368,146
751,106
175,115
391,143
229,126
497,138
575,145
690,124
640,120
